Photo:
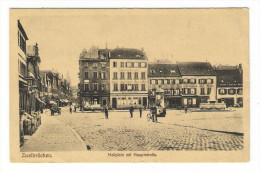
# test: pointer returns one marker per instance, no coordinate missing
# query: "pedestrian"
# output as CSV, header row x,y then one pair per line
x,y
154,114
186,109
70,108
131,111
75,107
106,112
140,111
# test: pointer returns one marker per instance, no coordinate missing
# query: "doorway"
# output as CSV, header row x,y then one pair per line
x,y
114,104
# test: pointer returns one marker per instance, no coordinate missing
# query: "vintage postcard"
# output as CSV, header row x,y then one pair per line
x,y
129,85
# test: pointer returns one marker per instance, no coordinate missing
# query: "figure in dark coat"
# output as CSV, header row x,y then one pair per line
x,y
106,112
131,111
141,110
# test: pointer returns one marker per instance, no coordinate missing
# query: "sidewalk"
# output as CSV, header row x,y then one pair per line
x,y
53,135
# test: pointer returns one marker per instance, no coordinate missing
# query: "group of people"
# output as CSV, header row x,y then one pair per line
x,y
75,108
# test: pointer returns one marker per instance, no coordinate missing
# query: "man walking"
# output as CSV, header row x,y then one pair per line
x,y
70,108
106,112
140,111
131,111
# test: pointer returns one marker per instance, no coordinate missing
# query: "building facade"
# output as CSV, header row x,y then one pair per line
x,y
94,77
230,85
22,68
33,77
199,83
168,78
128,78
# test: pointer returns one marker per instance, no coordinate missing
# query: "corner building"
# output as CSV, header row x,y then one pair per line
x,y
94,77
128,78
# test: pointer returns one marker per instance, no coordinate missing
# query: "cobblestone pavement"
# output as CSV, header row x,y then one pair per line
x,y
122,133
52,135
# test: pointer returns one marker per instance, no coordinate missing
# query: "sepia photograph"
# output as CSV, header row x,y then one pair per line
x,y
129,85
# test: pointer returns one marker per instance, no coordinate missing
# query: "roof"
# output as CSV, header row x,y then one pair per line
x,y
196,69
229,77
22,30
163,70
127,53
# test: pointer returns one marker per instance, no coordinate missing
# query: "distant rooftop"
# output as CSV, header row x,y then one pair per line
x,y
163,70
196,69
229,77
127,53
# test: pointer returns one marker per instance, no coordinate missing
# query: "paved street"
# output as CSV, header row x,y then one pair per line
x,y
52,135
193,131
175,132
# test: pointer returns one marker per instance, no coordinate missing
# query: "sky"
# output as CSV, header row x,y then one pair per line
x,y
218,36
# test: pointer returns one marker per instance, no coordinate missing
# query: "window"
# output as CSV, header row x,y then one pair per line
x,y
86,75
94,64
103,75
95,87
114,64
100,75
139,64
202,81
167,92
95,75
115,87
136,75
103,87
122,75
156,81
185,81
222,91
143,65
231,91
193,91
86,64
122,64
103,64
192,81
143,75
240,91
143,87
208,91
176,92
136,87
129,75
132,64
125,64
162,81
115,75
209,81
122,87
202,91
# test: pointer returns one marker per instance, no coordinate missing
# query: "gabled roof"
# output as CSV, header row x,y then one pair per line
x,y
229,77
22,30
163,70
196,69
127,53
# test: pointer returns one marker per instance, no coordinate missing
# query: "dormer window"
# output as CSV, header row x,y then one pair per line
x,y
137,55
173,71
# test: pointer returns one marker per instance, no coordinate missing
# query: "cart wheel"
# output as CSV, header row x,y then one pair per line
x,y
149,117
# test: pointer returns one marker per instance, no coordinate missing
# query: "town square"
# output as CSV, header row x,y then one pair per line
x,y
102,91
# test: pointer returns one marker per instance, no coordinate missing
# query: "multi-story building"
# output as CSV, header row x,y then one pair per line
x,y
168,78
230,85
128,78
33,77
94,77
22,67
199,83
